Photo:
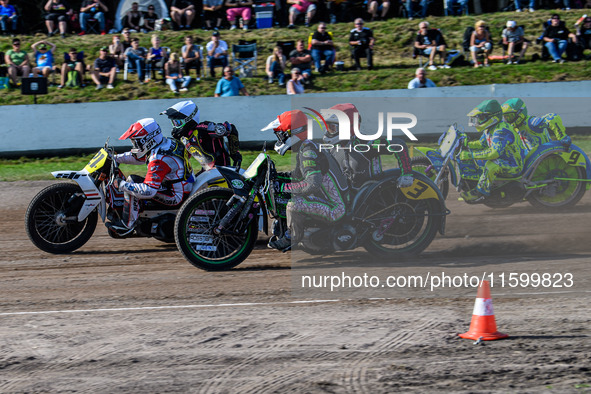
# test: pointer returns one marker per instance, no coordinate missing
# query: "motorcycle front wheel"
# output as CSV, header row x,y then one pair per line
x,y
194,236
421,164
49,220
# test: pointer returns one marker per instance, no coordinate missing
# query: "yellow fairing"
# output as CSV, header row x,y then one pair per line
x,y
419,190
98,161
574,158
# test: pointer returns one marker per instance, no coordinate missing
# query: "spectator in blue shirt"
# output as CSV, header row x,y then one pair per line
x,y
8,17
229,85
421,80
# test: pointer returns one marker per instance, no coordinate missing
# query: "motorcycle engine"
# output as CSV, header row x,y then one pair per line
x,y
345,237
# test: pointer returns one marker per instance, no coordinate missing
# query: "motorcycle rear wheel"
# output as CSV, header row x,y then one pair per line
x,y
194,236
421,163
46,225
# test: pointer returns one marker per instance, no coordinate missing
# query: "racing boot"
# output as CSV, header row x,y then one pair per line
x,y
283,244
117,229
472,196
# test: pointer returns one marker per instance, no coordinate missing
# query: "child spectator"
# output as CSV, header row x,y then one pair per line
x,y
514,40
191,57
58,12
480,42
174,74
295,85
116,51
8,17
275,65
18,62
104,71
136,56
156,56
238,9
43,58
150,19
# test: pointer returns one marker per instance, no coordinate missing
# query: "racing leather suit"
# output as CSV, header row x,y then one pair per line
x,y
206,144
535,131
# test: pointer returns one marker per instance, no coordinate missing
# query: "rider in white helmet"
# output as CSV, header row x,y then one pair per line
x,y
168,180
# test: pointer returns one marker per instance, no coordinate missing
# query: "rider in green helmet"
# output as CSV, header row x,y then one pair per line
x,y
500,145
534,130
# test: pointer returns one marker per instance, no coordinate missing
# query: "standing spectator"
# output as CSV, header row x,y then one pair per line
x,y
117,51
137,55
514,40
133,18
191,57
556,39
424,4
8,17
105,70
73,69
213,11
43,58
373,7
322,47
58,12
294,85
18,62
126,38
362,41
174,74
480,42
532,4
275,65
217,53
238,9
157,56
150,18
428,43
182,10
299,7
92,9
229,85
302,59
421,80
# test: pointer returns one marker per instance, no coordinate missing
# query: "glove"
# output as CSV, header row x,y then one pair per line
x,y
566,142
405,181
178,134
465,142
117,182
466,155
236,158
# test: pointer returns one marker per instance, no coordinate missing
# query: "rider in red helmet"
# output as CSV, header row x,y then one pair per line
x,y
168,180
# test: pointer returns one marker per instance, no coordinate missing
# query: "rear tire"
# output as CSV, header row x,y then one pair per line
x,y
421,163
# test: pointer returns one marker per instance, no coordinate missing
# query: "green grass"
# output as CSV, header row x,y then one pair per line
x,y
393,59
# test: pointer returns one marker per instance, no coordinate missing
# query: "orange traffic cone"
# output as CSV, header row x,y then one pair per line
x,y
483,325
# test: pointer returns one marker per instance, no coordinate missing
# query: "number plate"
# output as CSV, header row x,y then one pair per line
x,y
207,248
201,239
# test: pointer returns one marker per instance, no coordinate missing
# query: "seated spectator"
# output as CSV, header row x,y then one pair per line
x,y
337,10
373,7
8,17
514,40
92,9
174,74
238,9
322,47
518,7
126,38
362,41
556,39
150,18
275,66
295,84
564,4
410,4
229,85
182,12
133,18
18,62
105,70
302,59
43,58
157,56
191,57
213,13
136,56
73,69
456,7
299,7
421,80
584,33
117,51
480,42
58,12
217,53
429,42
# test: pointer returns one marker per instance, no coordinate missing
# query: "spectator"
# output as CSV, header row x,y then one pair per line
x,y
362,41
480,42
58,12
92,9
8,17
105,70
275,66
229,85
217,53
322,47
73,69
43,58
137,55
174,74
424,4
238,9
373,7
564,4
191,57
299,7
421,80
182,10
133,18
428,43
294,85
150,18
518,8
302,59
584,33
459,5
213,11
117,51
18,62
556,39
157,56
126,38
514,40
337,10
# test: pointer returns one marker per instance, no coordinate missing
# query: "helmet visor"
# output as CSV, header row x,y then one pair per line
x,y
477,120
177,122
332,129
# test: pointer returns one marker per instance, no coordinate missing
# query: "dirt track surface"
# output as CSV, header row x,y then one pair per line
x,y
133,316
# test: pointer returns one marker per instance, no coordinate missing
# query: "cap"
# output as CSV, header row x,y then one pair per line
x,y
511,24
104,49
42,46
216,33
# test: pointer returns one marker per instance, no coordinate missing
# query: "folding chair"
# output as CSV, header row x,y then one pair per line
x,y
245,59
92,26
286,47
126,67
